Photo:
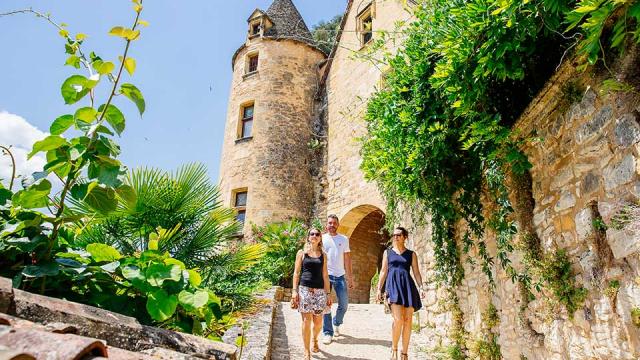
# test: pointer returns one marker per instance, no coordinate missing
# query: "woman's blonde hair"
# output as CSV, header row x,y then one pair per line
x,y
307,245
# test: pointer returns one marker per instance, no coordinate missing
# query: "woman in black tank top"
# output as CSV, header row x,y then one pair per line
x,y
311,288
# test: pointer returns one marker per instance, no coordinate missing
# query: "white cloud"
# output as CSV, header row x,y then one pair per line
x,y
16,132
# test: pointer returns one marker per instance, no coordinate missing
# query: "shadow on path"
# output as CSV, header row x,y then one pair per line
x,y
352,340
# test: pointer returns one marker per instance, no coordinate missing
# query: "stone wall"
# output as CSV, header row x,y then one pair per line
x,y
585,170
273,164
350,81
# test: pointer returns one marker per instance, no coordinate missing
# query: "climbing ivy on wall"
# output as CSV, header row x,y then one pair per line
x,y
439,130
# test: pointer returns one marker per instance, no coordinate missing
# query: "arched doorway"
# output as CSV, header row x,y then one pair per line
x,y
364,226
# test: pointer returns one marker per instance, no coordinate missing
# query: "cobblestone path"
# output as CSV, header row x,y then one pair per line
x,y
365,335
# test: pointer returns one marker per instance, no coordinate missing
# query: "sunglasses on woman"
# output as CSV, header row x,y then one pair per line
x,y
313,233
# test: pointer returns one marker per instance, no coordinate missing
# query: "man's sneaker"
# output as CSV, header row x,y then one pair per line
x,y
336,331
326,339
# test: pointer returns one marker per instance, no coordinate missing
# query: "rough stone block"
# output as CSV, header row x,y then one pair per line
x,y
6,294
584,224
620,173
566,201
117,330
595,125
627,131
590,183
586,106
623,242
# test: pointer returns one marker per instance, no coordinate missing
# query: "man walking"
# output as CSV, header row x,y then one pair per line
x,y
336,246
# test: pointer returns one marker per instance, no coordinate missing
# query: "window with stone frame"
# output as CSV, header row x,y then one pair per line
x,y
365,25
240,204
246,121
254,28
252,63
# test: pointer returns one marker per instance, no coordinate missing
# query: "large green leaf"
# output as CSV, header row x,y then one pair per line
x,y
5,194
134,274
103,252
101,198
75,88
156,274
47,269
33,197
49,143
85,114
61,124
160,305
106,170
194,278
193,300
114,117
132,92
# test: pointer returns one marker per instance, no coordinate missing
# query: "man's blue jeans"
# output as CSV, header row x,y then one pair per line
x,y
340,285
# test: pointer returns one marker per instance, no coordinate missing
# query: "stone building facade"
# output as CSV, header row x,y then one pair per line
x,y
585,169
265,157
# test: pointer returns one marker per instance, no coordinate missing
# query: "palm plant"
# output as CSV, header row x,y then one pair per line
x,y
181,210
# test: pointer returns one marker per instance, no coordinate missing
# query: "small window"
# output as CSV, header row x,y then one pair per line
x,y
247,121
253,63
241,199
255,29
365,25
240,204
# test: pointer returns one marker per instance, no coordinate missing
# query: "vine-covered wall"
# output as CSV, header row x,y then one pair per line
x,y
582,190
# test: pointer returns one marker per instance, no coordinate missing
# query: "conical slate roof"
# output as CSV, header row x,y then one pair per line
x,y
287,22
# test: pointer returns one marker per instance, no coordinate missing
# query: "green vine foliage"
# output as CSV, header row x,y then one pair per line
x,y
439,129
437,136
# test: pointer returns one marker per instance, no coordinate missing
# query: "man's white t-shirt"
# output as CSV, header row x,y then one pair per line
x,y
335,247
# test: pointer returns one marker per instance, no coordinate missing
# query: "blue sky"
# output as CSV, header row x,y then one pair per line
x,y
184,70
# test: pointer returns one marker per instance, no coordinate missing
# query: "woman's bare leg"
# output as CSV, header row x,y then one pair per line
x,y
306,331
317,327
407,319
396,330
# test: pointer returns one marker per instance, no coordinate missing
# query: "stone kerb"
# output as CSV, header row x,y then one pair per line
x,y
258,328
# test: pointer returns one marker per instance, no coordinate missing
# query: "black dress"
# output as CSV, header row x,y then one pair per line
x,y
400,287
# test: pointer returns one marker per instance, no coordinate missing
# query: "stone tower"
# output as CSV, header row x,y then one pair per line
x,y
264,171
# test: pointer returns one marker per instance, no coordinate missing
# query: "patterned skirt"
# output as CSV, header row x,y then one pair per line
x,y
313,301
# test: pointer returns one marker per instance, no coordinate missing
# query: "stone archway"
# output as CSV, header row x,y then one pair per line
x,y
364,226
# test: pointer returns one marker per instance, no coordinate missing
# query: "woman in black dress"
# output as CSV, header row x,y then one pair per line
x,y
400,289
311,288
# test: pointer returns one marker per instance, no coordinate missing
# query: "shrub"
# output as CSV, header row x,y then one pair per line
x,y
282,241
151,286
635,316
555,271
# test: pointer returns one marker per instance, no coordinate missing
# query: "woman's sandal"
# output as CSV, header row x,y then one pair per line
x,y
316,348
394,354
404,356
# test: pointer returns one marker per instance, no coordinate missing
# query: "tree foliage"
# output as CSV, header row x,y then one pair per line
x,y
325,33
